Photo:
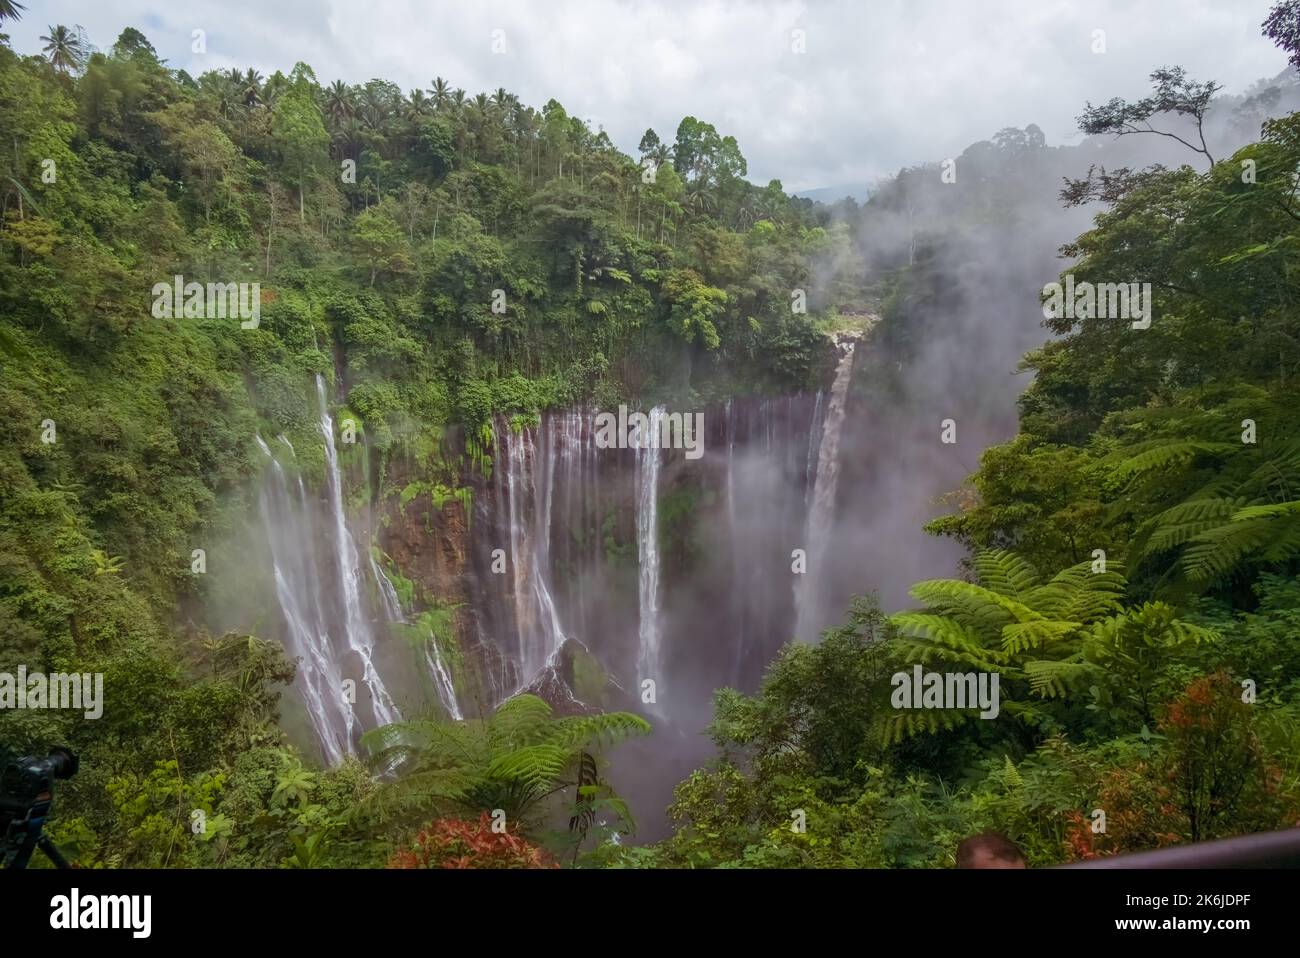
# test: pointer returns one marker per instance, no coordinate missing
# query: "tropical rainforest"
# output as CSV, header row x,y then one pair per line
x,y
447,274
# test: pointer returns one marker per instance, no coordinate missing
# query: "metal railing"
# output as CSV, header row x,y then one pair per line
x,y
1261,850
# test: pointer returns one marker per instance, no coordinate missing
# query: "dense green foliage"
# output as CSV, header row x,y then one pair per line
x,y
383,229
1156,677
440,259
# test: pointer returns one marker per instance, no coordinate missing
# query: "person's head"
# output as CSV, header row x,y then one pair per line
x,y
989,850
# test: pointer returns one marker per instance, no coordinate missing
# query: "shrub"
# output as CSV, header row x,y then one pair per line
x,y
456,843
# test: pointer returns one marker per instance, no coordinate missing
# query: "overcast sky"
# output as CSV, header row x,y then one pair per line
x,y
881,84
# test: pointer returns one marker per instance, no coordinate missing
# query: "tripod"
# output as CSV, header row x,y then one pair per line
x,y
26,835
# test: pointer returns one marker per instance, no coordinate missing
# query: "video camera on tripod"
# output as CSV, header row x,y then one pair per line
x,y
26,796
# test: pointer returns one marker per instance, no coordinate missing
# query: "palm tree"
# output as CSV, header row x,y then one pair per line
x,y
228,98
660,156
63,49
440,93
9,10
418,106
700,199
340,104
374,109
252,88
502,99
275,85
349,136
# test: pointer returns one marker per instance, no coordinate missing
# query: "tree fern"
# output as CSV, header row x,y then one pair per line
x,y
1157,454
1182,523
907,724
980,606
1004,572
1029,631
512,760
1212,555
1078,593
1020,637
1056,678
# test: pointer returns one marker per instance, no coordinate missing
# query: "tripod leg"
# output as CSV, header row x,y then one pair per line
x,y
52,852
23,854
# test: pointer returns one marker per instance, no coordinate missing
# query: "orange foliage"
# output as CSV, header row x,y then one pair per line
x,y
456,843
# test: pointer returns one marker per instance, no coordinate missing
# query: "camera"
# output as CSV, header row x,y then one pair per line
x,y
26,797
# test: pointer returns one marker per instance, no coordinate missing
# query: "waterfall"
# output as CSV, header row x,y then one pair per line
x,y
648,460
810,462
357,632
529,481
443,685
821,512
442,679
319,678
579,526
327,627
738,596
387,594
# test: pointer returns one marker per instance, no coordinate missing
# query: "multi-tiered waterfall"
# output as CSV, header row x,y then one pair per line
x,y
287,517
322,596
655,565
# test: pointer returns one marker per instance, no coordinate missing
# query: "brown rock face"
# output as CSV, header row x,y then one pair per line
x,y
433,548
429,546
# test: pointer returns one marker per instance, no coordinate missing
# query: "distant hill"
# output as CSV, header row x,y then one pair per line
x,y
829,194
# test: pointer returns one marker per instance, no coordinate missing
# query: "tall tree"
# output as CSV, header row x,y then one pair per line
x,y
63,49
1283,27
440,93
300,134
1174,93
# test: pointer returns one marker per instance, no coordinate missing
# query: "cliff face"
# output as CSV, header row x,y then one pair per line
x,y
429,545
531,566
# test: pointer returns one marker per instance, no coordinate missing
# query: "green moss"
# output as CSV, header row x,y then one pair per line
x,y
590,682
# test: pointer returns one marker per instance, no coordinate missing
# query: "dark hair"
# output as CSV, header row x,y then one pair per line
x,y
996,845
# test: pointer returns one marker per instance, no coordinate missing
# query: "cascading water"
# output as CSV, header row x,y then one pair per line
x,y
821,512
579,526
649,458
318,587
442,679
357,632
287,521
529,482
810,463
443,685
387,594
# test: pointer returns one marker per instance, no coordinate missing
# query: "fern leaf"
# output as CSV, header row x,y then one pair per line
x,y
1004,572
1160,454
1019,636
1053,679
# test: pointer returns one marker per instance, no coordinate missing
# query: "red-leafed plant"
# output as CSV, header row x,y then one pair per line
x,y
456,843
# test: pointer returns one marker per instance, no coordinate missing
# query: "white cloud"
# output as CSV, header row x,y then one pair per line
x,y
881,85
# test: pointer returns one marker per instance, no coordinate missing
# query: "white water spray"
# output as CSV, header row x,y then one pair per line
x,y
821,513
360,639
648,460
